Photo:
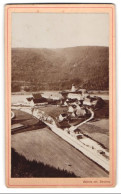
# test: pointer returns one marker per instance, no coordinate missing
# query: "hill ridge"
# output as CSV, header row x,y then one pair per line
x,y
84,66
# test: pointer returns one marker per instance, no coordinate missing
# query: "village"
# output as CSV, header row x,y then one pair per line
x,y
64,113
59,107
70,108
77,101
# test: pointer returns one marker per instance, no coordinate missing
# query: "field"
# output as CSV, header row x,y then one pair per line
x,y
44,146
29,122
98,128
53,110
98,131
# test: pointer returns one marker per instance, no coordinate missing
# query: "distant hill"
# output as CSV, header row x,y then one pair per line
x,y
58,69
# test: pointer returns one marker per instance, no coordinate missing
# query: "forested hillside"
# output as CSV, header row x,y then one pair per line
x,y
58,69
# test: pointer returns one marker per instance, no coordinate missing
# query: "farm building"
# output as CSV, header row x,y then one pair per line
x,y
76,110
30,101
52,95
80,111
73,88
75,96
87,101
62,117
77,131
96,102
37,98
74,93
71,109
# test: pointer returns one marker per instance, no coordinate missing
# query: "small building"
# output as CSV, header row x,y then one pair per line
x,y
75,110
30,101
62,117
73,88
71,109
37,98
73,114
77,131
79,137
87,101
64,94
95,101
29,98
80,111
101,152
52,95
65,103
75,96
71,101
64,124
49,119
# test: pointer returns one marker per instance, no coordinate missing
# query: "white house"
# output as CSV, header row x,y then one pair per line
x,y
73,89
80,111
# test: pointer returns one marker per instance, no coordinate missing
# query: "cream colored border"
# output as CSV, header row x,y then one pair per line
x,y
61,182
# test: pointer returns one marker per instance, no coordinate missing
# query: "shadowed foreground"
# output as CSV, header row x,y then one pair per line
x,y
20,167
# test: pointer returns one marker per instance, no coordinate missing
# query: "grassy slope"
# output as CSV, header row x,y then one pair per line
x,y
44,146
98,133
58,68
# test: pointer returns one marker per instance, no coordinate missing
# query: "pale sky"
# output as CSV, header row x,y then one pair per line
x,y
59,30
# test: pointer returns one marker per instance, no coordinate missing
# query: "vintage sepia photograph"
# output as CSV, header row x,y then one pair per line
x,y
60,93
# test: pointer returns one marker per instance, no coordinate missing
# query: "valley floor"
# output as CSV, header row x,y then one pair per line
x,y
36,142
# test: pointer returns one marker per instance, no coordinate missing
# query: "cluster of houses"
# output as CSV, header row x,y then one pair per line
x,y
77,100
41,115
